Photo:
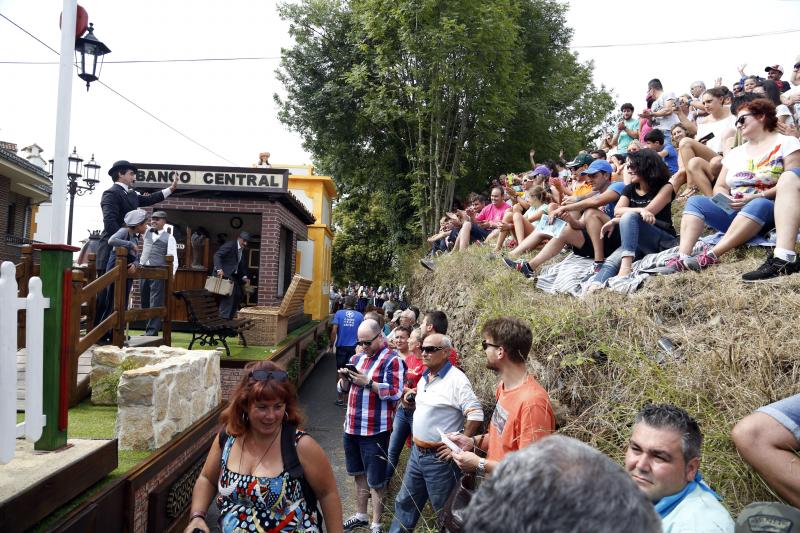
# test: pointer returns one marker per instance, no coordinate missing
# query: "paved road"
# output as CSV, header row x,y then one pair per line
x,y
325,419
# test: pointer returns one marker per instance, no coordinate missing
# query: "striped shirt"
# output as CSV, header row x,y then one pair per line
x,y
369,413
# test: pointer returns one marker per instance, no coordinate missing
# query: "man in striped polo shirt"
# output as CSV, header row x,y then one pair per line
x,y
373,390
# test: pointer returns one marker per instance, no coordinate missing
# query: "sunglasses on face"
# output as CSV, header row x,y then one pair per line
x,y
367,343
797,66
741,120
266,375
486,344
431,349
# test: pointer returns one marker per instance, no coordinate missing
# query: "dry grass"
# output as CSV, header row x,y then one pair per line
x,y
600,361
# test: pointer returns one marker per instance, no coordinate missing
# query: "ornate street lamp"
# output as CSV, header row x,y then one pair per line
x,y
89,45
75,173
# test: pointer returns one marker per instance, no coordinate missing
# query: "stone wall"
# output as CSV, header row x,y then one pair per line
x,y
159,400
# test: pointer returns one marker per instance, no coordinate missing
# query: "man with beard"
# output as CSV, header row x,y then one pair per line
x,y
523,413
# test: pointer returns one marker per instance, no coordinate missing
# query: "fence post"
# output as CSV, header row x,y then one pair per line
x,y
55,259
166,323
74,334
120,301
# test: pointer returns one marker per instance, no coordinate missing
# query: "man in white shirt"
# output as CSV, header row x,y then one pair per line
x,y
158,243
661,114
444,403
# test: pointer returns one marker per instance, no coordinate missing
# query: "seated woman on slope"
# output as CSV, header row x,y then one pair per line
x,y
643,213
745,190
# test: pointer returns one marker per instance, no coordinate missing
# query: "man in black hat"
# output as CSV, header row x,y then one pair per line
x,y
230,261
117,200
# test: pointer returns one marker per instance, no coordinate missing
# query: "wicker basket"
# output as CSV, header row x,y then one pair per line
x,y
269,328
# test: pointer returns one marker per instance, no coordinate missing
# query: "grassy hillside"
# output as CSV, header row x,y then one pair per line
x,y
599,358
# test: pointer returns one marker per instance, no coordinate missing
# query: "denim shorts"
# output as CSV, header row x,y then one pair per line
x,y
759,210
477,233
787,413
367,455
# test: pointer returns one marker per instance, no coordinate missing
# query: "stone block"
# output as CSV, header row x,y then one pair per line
x,y
160,401
135,388
163,433
107,356
135,428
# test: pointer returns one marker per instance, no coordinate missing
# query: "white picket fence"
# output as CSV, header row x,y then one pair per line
x,y
10,304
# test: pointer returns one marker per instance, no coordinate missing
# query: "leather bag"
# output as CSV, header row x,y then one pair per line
x,y
451,519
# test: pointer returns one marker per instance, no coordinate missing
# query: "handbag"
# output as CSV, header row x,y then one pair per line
x,y
221,286
451,519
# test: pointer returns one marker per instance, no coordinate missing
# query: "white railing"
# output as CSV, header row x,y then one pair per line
x,y
10,304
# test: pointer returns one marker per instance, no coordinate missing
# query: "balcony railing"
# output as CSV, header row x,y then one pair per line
x,y
16,240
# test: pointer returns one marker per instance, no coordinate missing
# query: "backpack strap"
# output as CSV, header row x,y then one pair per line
x,y
291,463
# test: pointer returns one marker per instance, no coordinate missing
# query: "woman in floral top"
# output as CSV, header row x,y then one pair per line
x,y
260,489
743,202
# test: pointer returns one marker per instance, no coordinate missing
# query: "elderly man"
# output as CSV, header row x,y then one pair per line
x,y
523,413
445,402
560,484
230,261
158,244
663,459
373,381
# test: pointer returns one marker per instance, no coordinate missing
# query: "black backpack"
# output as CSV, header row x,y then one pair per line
x,y
291,464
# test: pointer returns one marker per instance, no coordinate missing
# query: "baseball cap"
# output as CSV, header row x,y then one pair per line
x,y
774,67
598,165
768,517
540,170
581,159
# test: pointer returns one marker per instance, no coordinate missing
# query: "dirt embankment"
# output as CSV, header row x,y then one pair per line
x,y
737,348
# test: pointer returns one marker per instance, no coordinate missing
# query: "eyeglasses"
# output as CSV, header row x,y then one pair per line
x,y
431,349
486,344
740,121
367,343
266,375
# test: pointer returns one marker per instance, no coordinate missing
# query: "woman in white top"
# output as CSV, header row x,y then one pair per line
x,y
703,159
770,90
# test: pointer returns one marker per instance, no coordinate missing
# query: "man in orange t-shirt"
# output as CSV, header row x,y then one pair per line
x,y
523,413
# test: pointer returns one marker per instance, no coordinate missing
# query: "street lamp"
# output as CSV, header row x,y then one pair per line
x,y
75,173
94,48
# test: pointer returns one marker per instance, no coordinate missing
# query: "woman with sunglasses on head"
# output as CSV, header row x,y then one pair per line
x,y
269,476
744,201
643,213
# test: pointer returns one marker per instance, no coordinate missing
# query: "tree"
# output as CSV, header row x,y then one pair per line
x,y
429,97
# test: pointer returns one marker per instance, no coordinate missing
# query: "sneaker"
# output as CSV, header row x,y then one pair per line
x,y
598,266
772,268
519,266
376,529
674,265
698,262
427,263
354,522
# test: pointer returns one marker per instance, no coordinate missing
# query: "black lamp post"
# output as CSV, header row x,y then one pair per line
x,y
74,173
89,45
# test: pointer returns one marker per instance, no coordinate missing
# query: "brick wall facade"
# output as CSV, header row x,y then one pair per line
x,y
274,215
11,252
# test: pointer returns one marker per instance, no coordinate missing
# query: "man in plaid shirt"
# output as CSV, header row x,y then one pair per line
x,y
373,391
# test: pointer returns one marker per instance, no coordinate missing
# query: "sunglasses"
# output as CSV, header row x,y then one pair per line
x,y
367,343
797,66
740,121
266,375
486,344
431,349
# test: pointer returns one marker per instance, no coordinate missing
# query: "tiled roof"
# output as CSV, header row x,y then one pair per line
x,y
23,163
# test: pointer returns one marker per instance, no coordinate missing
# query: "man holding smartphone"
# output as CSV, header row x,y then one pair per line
x,y
373,385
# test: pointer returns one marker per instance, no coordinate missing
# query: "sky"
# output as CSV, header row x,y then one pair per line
x,y
228,107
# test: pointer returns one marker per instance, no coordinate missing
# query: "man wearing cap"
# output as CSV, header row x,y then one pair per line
x,y
582,233
230,261
158,244
580,187
663,459
117,200
774,73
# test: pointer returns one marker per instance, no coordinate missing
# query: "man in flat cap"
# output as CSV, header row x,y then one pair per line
x,y
117,200
158,244
230,261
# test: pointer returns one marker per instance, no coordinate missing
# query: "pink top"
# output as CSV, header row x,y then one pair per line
x,y
490,213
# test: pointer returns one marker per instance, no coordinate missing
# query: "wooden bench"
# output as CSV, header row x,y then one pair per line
x,y
207,326
270,324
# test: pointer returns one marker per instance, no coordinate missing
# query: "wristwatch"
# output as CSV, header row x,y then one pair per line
x,y
481,470
369,385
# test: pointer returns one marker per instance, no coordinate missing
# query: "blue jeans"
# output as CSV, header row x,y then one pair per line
x,y
638,239
760,210
426,478
401,429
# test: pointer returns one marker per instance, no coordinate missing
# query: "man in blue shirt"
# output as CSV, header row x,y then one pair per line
x,y
655,141
344,336
663,459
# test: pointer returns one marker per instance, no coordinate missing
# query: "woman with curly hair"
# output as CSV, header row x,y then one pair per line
x,y
268,474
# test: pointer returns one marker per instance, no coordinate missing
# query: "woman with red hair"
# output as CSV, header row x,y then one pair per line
x,y
269,475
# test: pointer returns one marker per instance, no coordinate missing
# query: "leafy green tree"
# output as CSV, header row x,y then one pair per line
x,y
417,101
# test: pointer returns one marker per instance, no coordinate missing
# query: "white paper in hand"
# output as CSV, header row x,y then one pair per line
x,y
553,229
449,443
